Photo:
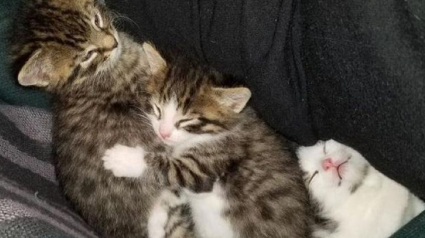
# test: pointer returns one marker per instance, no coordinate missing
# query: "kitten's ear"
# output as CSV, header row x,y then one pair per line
x,y
234,98
37,71
156,62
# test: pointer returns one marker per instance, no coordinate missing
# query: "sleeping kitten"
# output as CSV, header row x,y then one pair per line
x,y
97,77
239,176
353,199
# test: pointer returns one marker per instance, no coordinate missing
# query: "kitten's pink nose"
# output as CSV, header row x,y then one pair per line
x,y
327,164
164,132
165,135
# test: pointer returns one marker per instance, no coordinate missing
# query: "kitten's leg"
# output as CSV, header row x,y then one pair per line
x,y
158,220
169,217
180,223
196,172
125,161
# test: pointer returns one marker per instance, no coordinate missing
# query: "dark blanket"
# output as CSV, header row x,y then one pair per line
x,y
349,70
31,203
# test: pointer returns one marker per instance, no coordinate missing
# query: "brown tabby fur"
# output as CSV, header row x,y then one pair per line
x,y
259,175
94,107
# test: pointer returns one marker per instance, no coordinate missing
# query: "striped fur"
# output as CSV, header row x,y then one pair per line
x,y
96,105
243,159
63,31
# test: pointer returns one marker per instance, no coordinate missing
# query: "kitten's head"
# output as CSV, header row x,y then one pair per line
x,y
331,165
55,41
186,105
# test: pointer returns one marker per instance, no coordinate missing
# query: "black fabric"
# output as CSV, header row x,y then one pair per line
x,y
365,64
348,70
252,40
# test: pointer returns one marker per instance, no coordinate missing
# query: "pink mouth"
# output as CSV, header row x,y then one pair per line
x,y
329,164
165,140
339,168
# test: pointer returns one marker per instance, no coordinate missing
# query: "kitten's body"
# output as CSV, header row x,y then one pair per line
x,y
89,120
260,195
355,200
97,101
239,176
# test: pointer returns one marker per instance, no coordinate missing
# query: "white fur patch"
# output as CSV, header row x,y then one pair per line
x,y
376,209
157,221
207,213
125,161
158,217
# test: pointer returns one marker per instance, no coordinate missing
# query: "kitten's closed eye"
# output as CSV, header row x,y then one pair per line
x,y
89,57
202,125
186,122
97,22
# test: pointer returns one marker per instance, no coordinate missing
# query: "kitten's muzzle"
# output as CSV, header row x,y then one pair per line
x,y
109,42
108,50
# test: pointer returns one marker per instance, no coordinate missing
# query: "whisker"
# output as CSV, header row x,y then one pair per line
x,y
144,118
314,174
116,17
142,115
147,121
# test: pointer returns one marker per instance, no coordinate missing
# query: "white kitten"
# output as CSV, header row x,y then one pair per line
x,y
353,199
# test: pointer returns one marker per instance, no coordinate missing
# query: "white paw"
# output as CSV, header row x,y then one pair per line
x,y
125,161
158,218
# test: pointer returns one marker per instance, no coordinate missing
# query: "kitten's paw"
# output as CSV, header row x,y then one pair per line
x,y
157,221
125,161
159,215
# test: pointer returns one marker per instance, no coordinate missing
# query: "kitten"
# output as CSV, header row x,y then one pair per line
x,y
239,176
97,78
353,199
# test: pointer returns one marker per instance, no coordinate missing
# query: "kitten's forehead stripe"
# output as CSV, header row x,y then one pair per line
x,y
182,84
62,26
59,41
210,121
193,88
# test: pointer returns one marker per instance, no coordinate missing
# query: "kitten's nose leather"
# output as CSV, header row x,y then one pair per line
x,y
115,44
109,42
109,50
165,134
164,131
327,164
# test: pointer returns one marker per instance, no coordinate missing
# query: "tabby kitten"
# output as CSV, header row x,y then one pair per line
x,y
96,76
240,178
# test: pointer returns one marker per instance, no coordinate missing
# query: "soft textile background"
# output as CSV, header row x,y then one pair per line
x,y
10,91
31,203
349,70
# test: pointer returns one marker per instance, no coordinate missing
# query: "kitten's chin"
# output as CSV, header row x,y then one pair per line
x,y
175,143
170,143
115,54
113,58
